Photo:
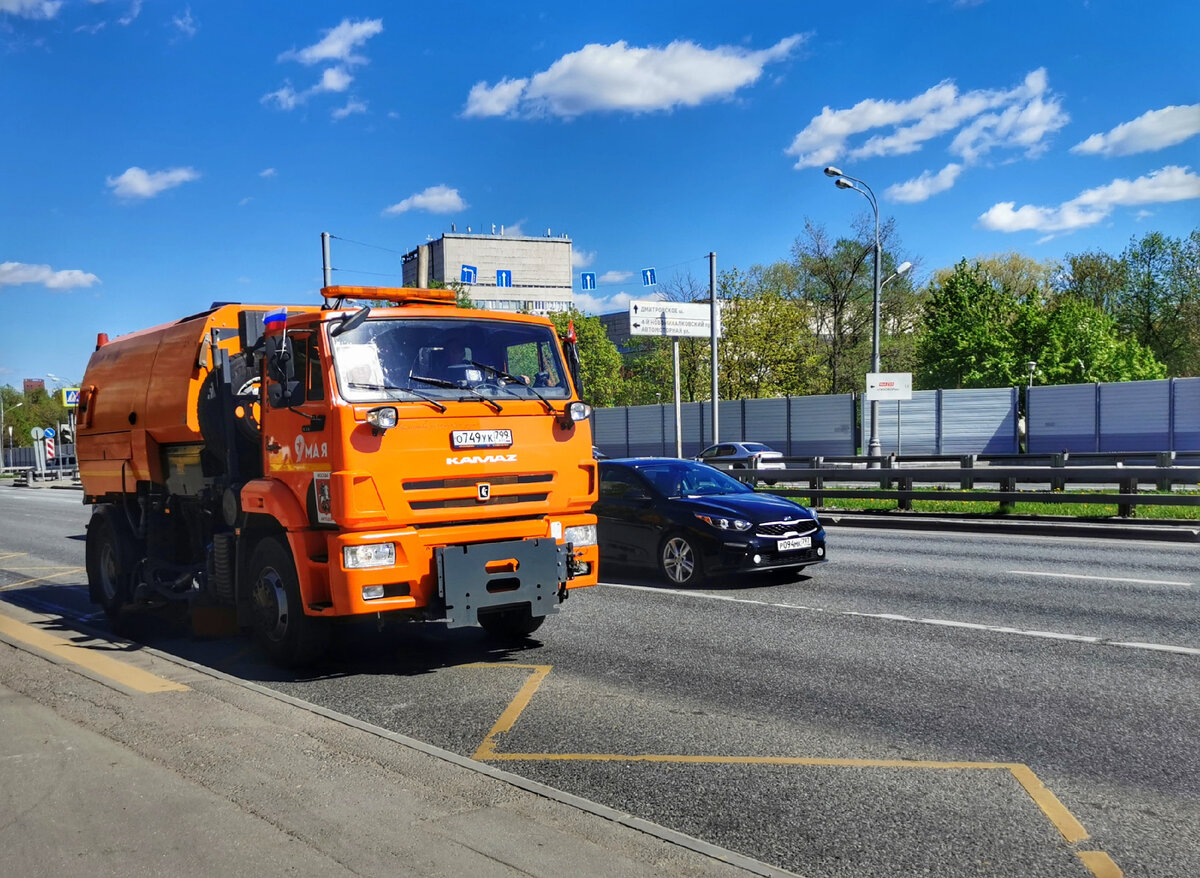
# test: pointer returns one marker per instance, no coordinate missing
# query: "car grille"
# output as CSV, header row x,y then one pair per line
x,y
778,529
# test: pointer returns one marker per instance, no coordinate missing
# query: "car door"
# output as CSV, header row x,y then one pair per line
x,y
625,517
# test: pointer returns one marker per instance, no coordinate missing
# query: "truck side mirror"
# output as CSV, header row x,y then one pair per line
x,y
279,359
285,394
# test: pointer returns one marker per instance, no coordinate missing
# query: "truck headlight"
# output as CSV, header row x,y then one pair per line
x,y
369,555
581,535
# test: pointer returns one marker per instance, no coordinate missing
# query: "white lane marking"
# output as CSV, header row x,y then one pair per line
x,y
895,617
1099,578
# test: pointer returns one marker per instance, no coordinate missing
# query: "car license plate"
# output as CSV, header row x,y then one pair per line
x,y
793,545
481,438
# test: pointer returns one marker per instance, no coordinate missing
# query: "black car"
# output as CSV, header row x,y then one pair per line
x,y
691,521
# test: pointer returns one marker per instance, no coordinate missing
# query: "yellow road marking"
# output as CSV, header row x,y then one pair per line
x,y
487,749
1063,820
1100,864
6,555
1072,830
86,657
65,572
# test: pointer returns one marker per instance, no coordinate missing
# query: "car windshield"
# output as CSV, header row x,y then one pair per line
x,y
684,479
415,359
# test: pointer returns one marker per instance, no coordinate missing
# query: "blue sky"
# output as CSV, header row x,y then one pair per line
x,y
161,155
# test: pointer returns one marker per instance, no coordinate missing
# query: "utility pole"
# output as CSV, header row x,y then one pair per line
x,y
712,297
326,270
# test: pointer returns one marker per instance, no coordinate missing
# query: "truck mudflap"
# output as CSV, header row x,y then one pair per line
x,y
510,573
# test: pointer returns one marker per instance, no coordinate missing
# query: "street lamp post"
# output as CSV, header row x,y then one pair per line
x,y
844,181
1032,367
3,459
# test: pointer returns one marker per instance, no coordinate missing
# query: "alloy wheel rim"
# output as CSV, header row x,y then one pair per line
x,y
678,560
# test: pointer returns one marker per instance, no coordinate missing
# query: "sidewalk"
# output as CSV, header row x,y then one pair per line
x,y
220,778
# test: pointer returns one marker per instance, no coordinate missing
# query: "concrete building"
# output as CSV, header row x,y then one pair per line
x,y
503,272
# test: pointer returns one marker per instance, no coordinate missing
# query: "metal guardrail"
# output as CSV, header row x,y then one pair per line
x,y
899,482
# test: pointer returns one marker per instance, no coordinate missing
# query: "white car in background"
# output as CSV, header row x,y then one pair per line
x,y
743,455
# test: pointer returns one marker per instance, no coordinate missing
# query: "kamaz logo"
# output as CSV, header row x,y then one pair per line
x,y
481,458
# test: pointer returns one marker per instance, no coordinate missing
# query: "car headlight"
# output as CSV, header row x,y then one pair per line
x,y
724,523
581,535
369,555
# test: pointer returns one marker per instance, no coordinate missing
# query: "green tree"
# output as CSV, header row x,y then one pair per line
x,y
768,347
1095,277
836,280
599,361
966,338
1160,302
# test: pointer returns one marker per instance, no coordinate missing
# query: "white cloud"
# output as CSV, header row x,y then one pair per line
x,y
352,107
517,229
1154,130
922,187
435,199
333,79
245,201
582,258
138,183
35,9
1022,117
268,172
15,273
135,9
590,304
620,77
185,23
614,277
1171,183
338,44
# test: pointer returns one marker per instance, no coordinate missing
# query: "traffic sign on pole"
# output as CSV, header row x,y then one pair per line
x,y
49,448
70,397
667,319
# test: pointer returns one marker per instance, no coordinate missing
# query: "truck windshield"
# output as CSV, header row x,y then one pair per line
x,y
416,359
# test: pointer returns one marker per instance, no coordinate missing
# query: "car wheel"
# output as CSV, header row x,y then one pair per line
x,y
513,623
679,561
290,637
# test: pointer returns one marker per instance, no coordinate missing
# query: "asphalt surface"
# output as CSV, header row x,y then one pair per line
x,y
883,716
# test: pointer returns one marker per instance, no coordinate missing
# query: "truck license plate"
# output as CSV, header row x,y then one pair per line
x,y
797,543
481,438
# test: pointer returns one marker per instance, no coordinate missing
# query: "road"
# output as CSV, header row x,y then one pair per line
x,y
933,704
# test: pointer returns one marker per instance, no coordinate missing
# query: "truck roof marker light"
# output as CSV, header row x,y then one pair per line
x,y
101,339
397,295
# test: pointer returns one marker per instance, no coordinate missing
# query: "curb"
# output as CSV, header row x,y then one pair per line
x,y
1182,533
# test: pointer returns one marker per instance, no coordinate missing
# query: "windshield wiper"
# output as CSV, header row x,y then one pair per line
x,y
440,382
501,373
429,399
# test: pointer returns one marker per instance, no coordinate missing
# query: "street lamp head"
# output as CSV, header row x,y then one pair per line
x,y
903,269
831,171
843,183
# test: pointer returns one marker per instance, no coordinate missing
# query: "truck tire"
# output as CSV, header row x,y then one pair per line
x,y
511,623
110,555
290,637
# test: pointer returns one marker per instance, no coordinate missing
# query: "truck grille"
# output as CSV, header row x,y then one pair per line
x,y
472,481
494,500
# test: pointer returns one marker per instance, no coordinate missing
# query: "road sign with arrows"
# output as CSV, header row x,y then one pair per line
x,y
668,319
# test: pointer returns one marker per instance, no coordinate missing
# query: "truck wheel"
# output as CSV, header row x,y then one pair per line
x,y
679,561
109,553
510,624
290,637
